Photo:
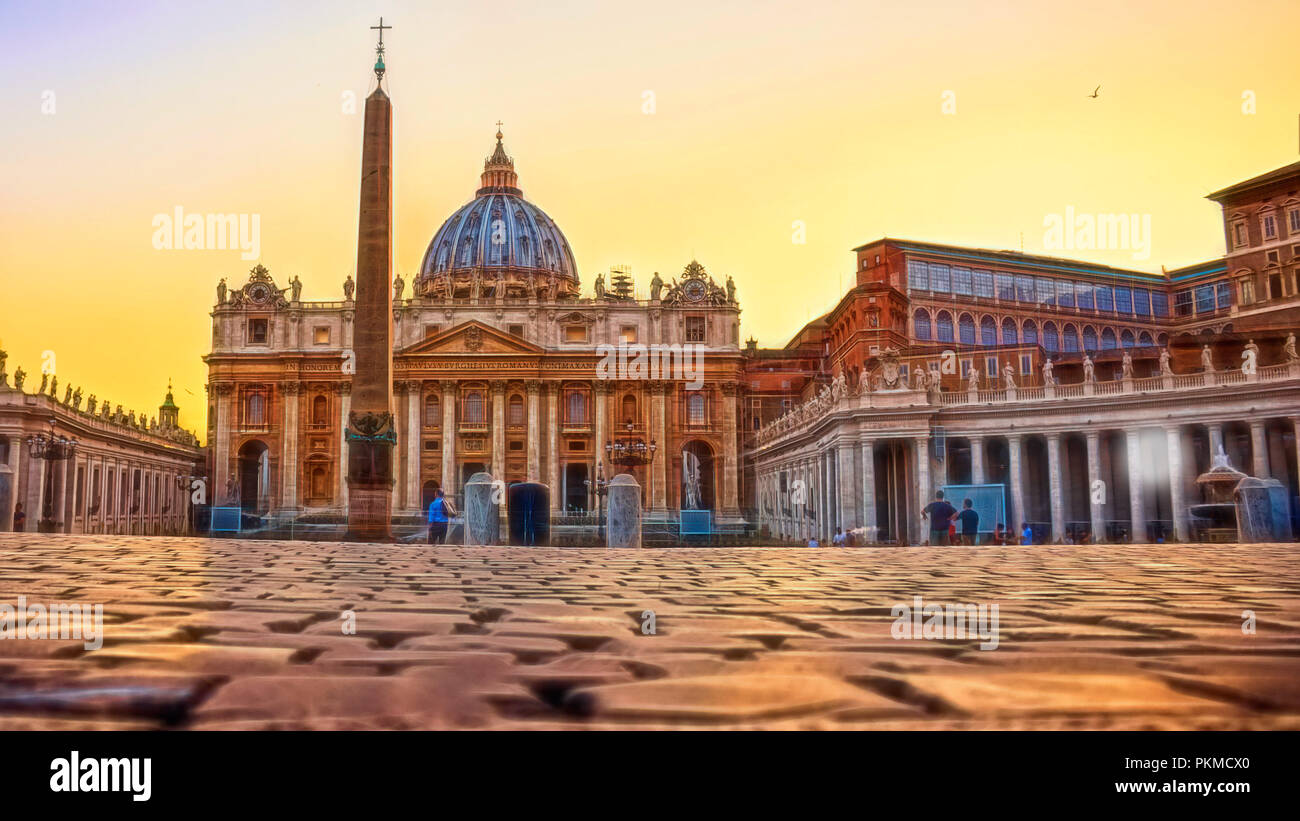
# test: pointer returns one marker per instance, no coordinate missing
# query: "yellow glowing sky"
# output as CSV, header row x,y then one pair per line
x,y
765,113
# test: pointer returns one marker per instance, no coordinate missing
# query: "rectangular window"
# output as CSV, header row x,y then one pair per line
x,y
940,278
627,334
575,333
1065,294
1159,303
991,367
965,367
321,335
961,281
1223,292
1024,289
918,276
1239,234
431,330
1105,301
257,331
1183,302
1006,285
1083,292
1123,300
1044,291
1204,298
1293,221
1026,364
1141,302
983,283
1270,226
1247,292
694,329
515,330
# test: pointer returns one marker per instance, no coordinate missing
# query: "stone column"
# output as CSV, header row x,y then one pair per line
x,y
868,487
534,444
1054,487
289,468
848,518
1258,450
221,447
17,447
600,390
345,407
498,430
923,491
553,445
1096,510
659,392
977,460
412,478
1177,500
731,456
449,399
1136,505
1017,485
1216,440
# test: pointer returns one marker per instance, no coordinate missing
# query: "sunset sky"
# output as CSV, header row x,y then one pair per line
x,y
765,114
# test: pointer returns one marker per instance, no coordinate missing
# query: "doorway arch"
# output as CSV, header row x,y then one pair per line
x,y
254,476
697,476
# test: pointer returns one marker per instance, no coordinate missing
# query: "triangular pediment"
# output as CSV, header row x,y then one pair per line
x,y
472,337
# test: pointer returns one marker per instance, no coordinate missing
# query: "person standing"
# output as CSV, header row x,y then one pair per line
x,y
439,510
1026,533
940,513
969,521
20,518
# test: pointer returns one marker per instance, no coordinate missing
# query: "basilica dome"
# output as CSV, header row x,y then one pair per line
x,y
498,240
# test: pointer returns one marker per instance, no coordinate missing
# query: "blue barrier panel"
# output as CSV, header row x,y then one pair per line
x,y
226,519
989,501
695,523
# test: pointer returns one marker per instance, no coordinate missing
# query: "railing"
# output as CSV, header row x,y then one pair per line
x,y
819,407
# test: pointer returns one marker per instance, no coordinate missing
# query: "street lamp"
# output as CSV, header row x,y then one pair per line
x,y
630,451
50,447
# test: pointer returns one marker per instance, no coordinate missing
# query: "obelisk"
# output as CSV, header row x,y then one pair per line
x,y
371,431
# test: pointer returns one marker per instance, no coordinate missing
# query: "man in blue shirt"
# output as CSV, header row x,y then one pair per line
x,y
439,510
969,521
940,513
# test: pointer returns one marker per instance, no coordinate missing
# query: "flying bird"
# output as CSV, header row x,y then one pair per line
x,y
1093,95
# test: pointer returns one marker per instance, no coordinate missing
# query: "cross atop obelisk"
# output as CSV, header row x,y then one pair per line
x,y
379,49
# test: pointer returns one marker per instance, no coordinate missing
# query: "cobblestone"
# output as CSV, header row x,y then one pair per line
x,y
230,634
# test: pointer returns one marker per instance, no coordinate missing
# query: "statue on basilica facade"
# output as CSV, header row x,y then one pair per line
x,y
45,382
90,405
731,290
295,285
4,377
1048,379
349,287
1165,367
1207,359
973,379
1288,350
1126,366
54,386
67,395
599,286
399,285
1089,369
656,286
20,376
76,399
221,292
1008,376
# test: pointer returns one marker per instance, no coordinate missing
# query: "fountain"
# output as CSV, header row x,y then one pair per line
x,y
1215,520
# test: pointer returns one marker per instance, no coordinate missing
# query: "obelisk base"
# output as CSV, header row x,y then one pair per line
x,y
370,491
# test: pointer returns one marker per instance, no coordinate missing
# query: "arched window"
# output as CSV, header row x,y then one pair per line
x,y
944,321
516,411
1051,342
988,332
1009,334
575,407
472,411
1126,338
255,409
1107,339
921,321
1070,339
629,408
1029,333
966,329
432,411
1090,339
320,410
696,409
1145,340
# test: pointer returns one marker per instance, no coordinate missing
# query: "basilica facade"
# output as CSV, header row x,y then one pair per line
x,y
500,363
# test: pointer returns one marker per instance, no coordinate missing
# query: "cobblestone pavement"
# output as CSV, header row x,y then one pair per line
x,y
234,635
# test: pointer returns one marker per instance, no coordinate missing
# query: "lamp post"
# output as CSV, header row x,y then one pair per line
x,y
50,447
630,451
